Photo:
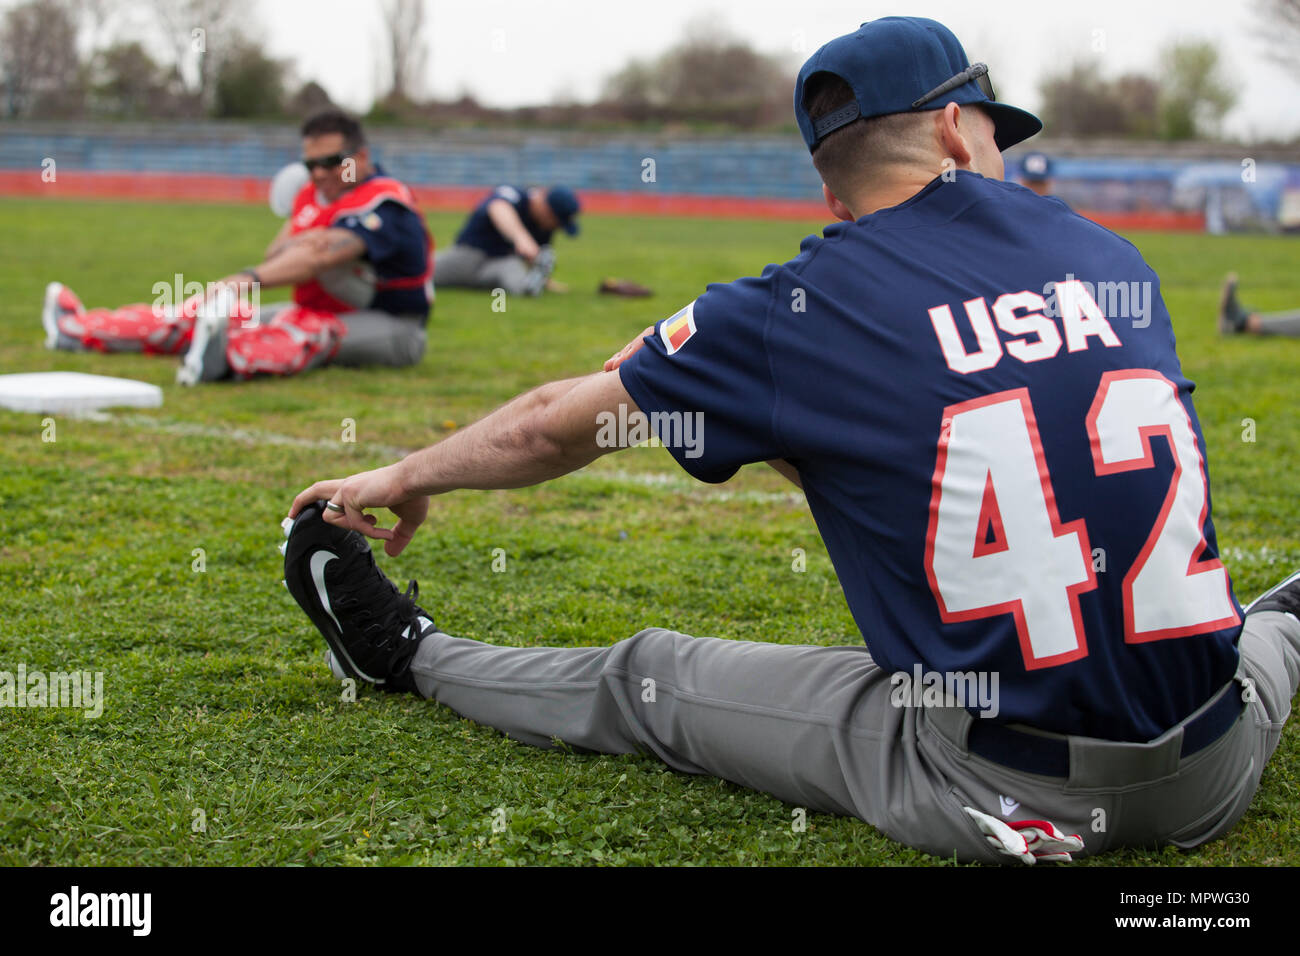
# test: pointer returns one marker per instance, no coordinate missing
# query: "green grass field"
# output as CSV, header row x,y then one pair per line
x,y
218,706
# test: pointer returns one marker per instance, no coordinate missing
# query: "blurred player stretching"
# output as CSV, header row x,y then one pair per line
x,y
356,251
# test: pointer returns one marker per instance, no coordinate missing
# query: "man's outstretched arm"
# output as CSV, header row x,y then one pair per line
x,y
282,239
512,228
542,434
301,257
308,254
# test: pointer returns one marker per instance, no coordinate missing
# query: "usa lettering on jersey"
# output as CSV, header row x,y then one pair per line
x,y
1032,335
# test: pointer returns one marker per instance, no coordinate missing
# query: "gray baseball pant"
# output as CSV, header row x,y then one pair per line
x,y
374,337
1279,323
815,727
467,266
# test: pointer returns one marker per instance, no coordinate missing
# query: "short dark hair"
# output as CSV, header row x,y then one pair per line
x,y
825,93
335,121
849,154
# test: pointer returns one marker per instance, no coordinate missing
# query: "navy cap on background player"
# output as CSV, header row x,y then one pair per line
x,y
901,64
564,203
1036,167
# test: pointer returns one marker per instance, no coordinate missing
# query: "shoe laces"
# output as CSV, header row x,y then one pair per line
x,y
384,616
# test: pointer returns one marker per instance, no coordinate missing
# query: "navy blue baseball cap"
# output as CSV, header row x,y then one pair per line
x,y
1036,167
565,205
902,64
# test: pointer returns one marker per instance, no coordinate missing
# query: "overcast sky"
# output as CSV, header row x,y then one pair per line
x,y
514,52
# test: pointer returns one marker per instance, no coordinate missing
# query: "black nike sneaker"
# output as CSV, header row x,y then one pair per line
x,y
372,629
1232,317
1284,597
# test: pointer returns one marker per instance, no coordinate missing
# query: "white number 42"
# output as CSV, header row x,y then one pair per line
x,y
991,474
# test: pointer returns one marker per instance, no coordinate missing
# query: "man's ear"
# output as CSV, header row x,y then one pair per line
x,y
837,208
950,135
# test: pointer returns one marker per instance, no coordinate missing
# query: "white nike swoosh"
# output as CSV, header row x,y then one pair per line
x,y
318,562
1008,806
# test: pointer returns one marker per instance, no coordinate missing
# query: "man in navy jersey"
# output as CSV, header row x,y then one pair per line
x,y
1001,454
506,241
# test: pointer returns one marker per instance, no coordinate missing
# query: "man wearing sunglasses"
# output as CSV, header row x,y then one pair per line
x,y
1014,493
355,251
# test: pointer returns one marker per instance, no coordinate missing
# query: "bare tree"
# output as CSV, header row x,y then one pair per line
x,y
709,75
95,19
408,51
1279,29
42,73
202,33
1079,102
310,98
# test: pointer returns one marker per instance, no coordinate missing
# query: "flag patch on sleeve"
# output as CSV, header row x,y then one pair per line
x,y
677,330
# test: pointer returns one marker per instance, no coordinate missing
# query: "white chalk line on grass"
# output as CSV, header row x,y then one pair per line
x,y
250,436
671,482
668,481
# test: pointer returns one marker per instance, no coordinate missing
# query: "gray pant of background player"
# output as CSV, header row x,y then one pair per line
x,y
1279,323
467,266
374,338
815,727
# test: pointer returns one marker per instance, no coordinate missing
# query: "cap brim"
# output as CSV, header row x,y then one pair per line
x,y
1011,125
570,227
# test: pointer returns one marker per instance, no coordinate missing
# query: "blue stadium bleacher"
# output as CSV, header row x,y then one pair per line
x,y
767,167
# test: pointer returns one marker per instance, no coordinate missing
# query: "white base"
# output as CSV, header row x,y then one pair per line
x,y
71,393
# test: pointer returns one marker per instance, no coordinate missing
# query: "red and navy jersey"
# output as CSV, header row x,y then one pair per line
x,y
382,212
479,232
980,391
